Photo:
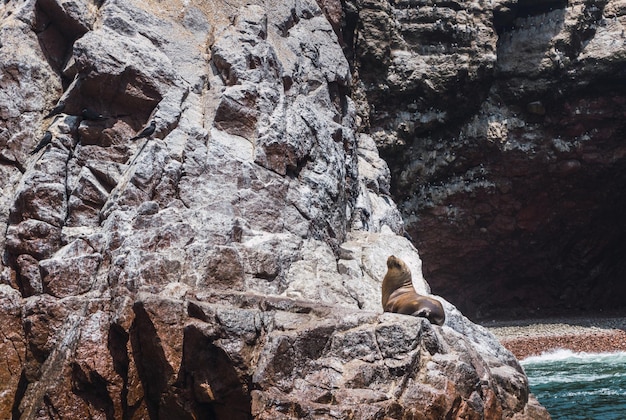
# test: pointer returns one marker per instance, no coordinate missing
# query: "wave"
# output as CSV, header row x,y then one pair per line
x,y
596,392
570,378
577,385
571,356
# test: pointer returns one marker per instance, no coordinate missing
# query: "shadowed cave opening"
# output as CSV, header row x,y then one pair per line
x,y
56,32
505,15
530,228
545,234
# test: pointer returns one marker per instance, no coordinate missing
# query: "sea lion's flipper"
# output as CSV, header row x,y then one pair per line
x,y
433,316
423,312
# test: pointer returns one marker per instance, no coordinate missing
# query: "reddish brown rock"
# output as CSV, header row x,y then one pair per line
x,y
13,347
229,264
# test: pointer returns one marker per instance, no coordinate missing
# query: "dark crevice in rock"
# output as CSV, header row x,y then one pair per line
x,y
349,32
222,67
209,382
195,311
152,366
266,276
354,295
339,94
293,171
526,8
20,391
504,15
12,161
56,32
285,26
111,95
68,189
117,345
52,411
585,29
92,388
406,373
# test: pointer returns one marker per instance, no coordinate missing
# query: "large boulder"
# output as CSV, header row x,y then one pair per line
x,y
229,264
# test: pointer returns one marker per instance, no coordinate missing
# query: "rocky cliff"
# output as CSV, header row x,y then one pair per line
x,y
227,265
503,126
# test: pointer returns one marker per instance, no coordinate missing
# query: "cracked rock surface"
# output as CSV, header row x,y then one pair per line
x,y
228,265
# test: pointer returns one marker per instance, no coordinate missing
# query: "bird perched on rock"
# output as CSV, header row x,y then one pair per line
x,y
147,131
90,114
60,106
45,140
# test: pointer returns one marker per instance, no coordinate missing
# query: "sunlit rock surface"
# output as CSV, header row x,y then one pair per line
x,y
229,265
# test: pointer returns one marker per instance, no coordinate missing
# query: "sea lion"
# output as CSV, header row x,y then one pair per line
x,y
399,295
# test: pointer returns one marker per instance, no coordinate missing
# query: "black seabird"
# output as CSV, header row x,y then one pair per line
x,y
90,114
57,109
147,131
45,140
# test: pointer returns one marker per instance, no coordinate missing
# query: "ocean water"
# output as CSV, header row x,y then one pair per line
x,y
576,386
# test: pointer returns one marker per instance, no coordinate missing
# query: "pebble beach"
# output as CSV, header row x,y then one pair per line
x,y
534,337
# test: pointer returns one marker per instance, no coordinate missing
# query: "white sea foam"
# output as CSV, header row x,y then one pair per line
x,y
576,386
570,378
570,356
600,391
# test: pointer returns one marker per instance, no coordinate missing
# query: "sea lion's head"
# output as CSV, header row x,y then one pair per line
x,y
394,262
398,275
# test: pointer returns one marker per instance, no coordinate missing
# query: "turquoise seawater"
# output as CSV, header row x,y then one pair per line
x,y
576,386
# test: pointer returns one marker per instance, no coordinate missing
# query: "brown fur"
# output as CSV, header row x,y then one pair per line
x,y
400,296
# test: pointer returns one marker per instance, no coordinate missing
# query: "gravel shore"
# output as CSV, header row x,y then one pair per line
x,y
533,337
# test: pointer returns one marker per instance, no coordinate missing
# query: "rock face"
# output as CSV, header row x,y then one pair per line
x,y
228,265
502,123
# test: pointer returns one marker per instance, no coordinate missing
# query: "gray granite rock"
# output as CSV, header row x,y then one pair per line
x,y
229,264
